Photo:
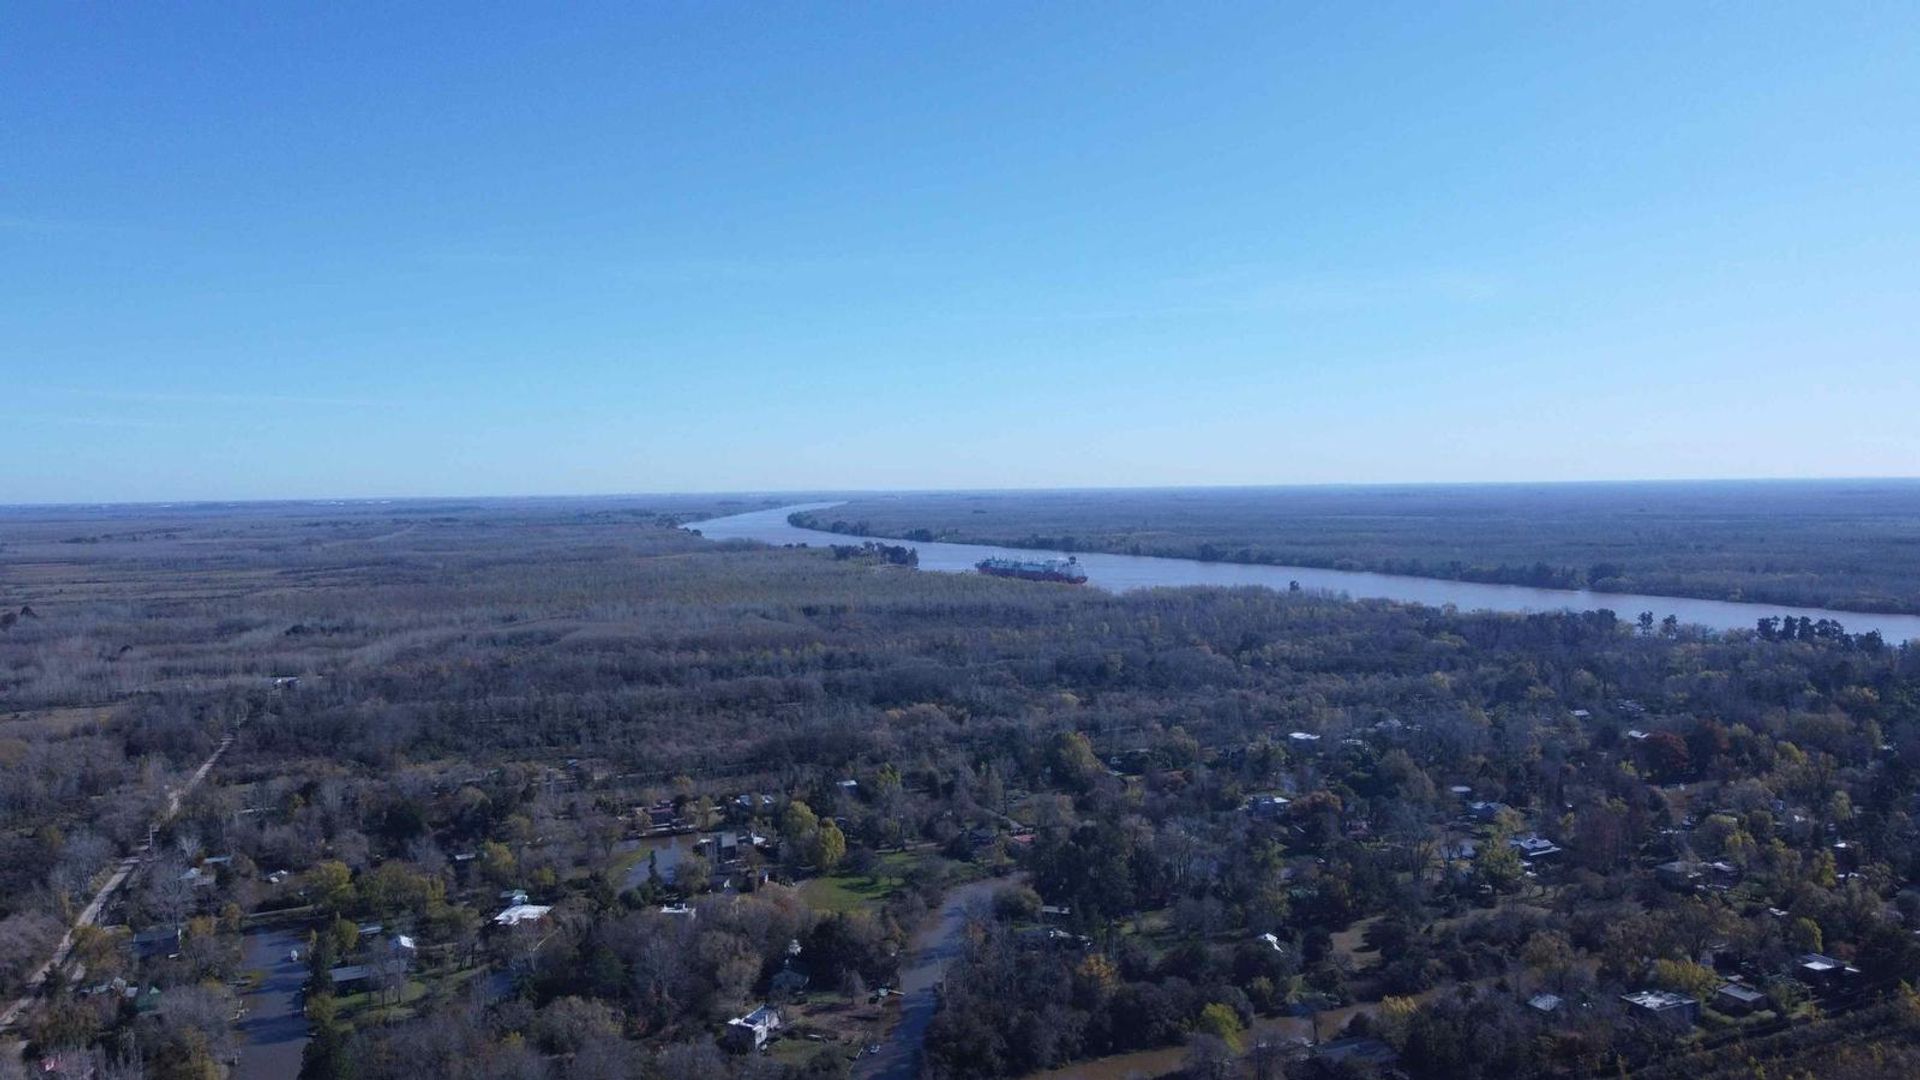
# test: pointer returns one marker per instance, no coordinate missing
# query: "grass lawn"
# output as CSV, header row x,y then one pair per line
x,y
364,1008
844,892
795,1053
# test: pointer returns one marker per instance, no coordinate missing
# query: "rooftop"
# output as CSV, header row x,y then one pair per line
x,y
520,913
1658,1000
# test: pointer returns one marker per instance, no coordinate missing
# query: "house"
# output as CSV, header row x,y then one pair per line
x,y
156,943
1361,1050
1674,1010
683,910
1267,806
751,1032
520,913
1735,999
789,981
1050,938
1680,874
1824,973
1485,810
1545,1004
1533,846
1302,739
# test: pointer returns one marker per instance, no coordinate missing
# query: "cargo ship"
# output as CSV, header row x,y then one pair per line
x,y
1065,570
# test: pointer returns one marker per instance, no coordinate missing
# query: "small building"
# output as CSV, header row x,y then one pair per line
x,y
681,910
1737,999
1545,1004
1359,1049
1663,1006
351,978
1268,805
751,1032
156,943
520,913
1302,738
1485,810
1272,941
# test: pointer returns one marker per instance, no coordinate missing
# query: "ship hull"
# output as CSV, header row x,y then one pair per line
x,y
1033,575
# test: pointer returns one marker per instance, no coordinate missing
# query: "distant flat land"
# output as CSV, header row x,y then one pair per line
x,y
1853,545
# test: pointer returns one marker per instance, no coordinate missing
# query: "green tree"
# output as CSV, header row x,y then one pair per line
x,y
829,847
330,884
1220,1021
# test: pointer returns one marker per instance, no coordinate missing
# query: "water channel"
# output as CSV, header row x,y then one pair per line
x,y
1121,573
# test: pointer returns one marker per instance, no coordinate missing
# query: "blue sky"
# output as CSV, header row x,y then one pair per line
x,y
340,250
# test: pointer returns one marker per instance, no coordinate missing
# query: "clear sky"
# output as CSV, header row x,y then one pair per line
x,y
255,251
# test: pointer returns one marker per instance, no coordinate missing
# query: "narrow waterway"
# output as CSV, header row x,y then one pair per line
x,y
1121,573
662,853
273,1031
933,948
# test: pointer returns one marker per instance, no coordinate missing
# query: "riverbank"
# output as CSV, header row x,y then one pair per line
x,y
1124,573
1845,545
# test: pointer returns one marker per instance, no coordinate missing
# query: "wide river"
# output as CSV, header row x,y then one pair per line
x,y
1120,573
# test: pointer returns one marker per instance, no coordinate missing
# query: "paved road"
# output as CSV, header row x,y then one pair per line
x,y
90,914
934,946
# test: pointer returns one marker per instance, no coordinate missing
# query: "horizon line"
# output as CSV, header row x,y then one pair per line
x,y
871,491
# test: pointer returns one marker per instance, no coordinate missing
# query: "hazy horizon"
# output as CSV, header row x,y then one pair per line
x,y
372,253
814,493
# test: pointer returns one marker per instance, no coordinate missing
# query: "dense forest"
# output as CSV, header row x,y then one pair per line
x,y
556,789
1852,545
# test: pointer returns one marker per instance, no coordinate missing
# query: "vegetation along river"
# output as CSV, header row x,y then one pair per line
x,y
1121,573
